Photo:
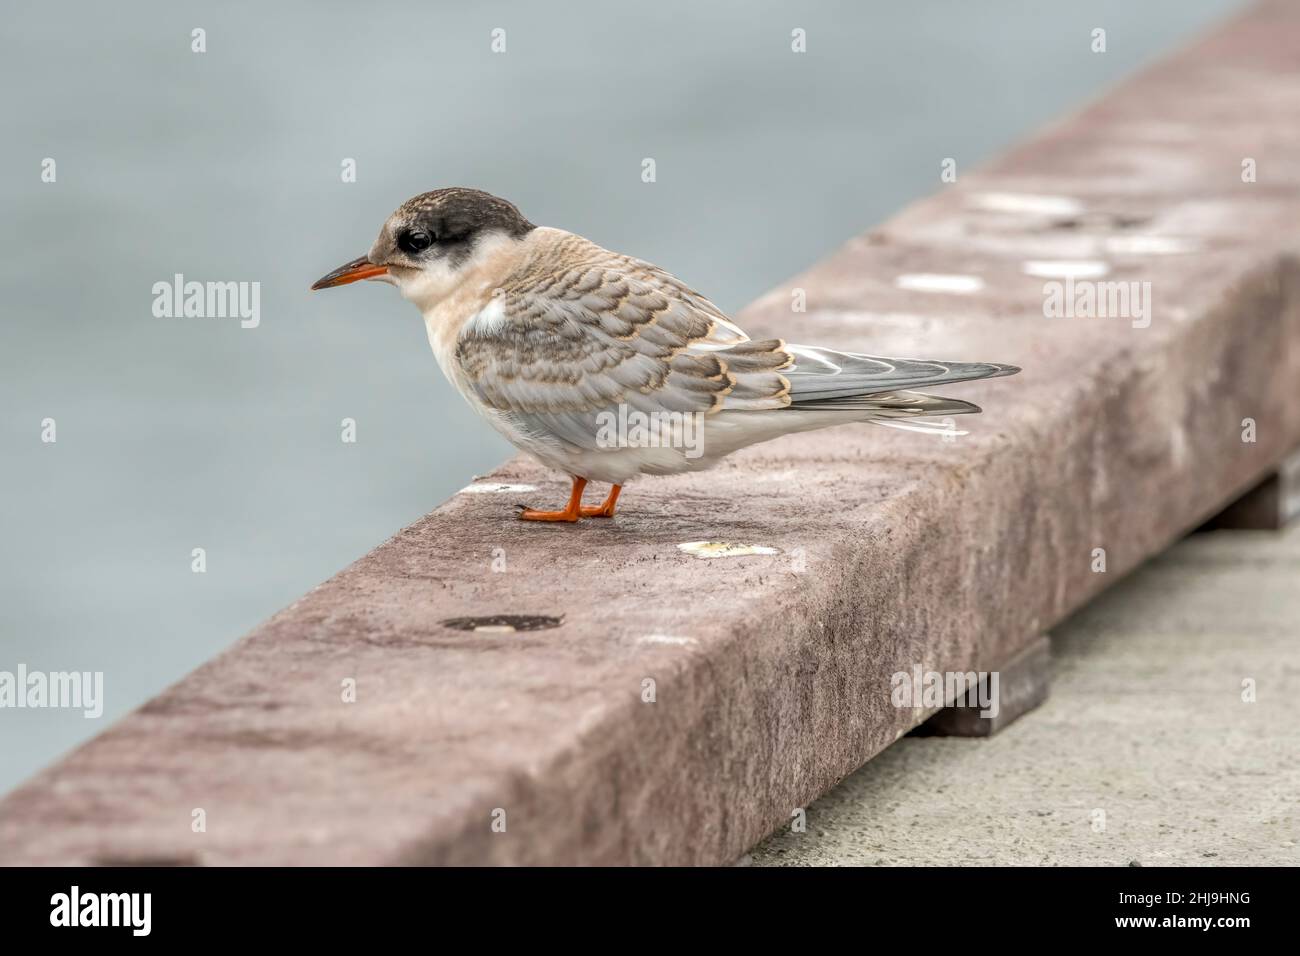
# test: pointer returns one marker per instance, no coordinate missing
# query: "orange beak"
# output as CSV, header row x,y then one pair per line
x,y
353,271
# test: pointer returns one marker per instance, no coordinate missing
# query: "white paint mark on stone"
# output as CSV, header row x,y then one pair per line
x,y
1027,204
665,639
1139,245
494,629
724,549
1065,268
934,282
495,488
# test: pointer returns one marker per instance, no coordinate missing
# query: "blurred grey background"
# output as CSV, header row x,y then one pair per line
x,y
178,433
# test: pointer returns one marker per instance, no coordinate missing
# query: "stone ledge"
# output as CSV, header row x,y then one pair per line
x,y
772,672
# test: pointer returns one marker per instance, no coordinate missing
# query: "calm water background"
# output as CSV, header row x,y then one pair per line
x,y
182,433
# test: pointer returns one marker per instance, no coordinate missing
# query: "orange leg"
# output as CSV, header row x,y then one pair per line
x,y
607,509
572,511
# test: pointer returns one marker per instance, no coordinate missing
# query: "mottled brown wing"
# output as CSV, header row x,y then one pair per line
x,y
581,330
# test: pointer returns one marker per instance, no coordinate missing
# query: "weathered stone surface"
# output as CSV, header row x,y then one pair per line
x,y
772,672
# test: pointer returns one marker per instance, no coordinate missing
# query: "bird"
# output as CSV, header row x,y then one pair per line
x,y
605,367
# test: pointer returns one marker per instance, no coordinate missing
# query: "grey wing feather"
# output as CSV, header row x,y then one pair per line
x,y
823,377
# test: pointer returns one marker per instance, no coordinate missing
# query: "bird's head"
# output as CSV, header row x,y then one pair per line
x,y
432,241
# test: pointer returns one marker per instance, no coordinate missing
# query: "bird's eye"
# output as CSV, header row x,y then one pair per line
x,y
417,240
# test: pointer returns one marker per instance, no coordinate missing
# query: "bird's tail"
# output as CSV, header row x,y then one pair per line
x,y
881,389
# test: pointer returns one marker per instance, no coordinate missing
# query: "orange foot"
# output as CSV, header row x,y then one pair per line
x,y
607,509
572,511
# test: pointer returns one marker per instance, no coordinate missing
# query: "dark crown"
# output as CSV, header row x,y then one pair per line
x,y
457,211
